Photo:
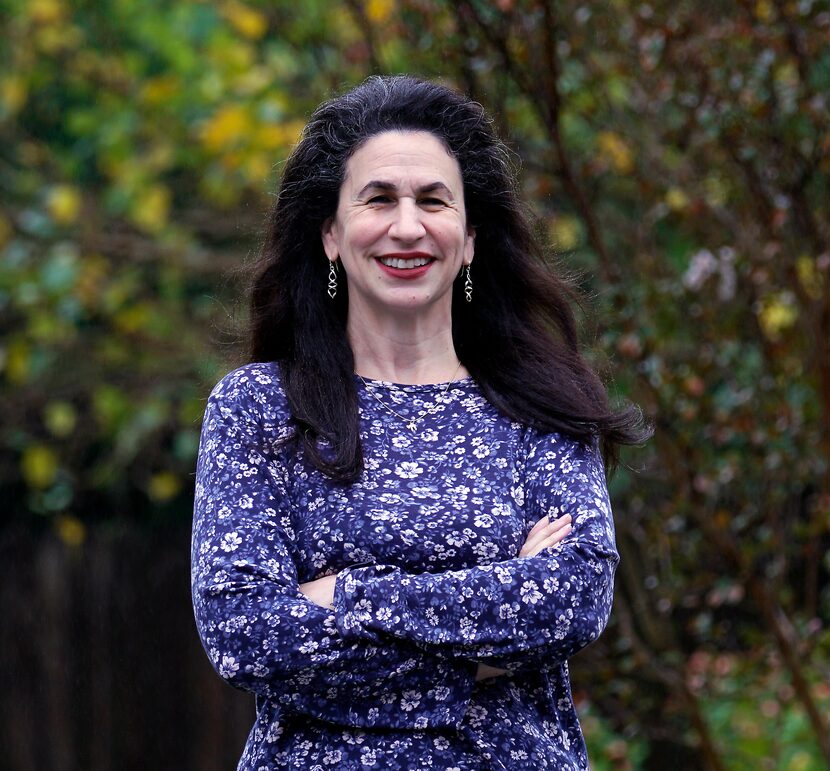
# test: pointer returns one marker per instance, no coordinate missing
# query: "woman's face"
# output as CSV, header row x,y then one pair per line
x,y
400,230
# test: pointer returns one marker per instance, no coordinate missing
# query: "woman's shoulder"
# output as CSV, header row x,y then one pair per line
x,y
256,386
546,444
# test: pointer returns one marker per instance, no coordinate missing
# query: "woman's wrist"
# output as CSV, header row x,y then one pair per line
x,y
320,591
485,672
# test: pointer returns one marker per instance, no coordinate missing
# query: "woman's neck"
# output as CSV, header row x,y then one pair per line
x,y
405,351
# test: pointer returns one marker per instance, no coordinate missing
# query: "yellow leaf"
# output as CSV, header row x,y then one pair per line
x,y
765,11
786,74
676,199
276,136
378,11
248,22
18,361
70,530
160,89
777,313
13,93
810,277
226,127
716,190
46,11
159,156
217,189
800,761
60,418
64,204
133,319
231,56
163,486
48,329
253,80
257,167
90,282
270,136
232,160
39,465
57,38
613,148
565,232
151,208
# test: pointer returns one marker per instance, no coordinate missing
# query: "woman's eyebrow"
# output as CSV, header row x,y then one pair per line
x,y
435,187
377,184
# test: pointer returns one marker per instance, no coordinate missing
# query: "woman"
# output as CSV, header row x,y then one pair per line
x,y
402,528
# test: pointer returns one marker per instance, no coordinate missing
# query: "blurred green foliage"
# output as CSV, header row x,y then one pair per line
x,y
677,157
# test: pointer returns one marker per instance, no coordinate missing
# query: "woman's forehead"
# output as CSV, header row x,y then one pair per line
x,y
394,157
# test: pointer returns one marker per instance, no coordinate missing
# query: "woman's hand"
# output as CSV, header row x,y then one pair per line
x,y
545,533
320,591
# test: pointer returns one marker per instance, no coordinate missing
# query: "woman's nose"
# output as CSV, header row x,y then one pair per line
x,y
407,224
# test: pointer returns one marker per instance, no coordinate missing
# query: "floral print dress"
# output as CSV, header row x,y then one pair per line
x,y
425,548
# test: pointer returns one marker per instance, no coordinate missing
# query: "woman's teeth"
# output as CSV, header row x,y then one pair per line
x,y
400,263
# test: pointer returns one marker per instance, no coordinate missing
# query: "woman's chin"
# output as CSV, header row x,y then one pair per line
x,y
409,302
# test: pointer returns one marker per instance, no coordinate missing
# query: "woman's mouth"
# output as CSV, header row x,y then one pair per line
x,y
403,263
405,266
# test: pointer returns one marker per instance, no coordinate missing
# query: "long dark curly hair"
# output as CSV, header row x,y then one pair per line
x,y
517,337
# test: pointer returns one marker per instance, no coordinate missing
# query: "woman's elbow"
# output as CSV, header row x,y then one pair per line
x,y
232,641
582,622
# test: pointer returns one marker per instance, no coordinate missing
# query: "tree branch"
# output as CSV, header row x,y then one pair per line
x,y
358,11
546,102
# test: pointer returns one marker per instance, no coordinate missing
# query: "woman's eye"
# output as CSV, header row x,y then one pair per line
x,y
379,199
432,202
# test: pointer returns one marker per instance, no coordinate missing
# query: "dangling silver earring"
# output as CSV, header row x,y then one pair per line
x,y
332,290
468,285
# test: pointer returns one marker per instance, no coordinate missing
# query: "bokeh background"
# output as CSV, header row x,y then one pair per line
x,y
676,155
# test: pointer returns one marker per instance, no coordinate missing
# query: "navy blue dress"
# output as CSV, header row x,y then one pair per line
x,y
425,548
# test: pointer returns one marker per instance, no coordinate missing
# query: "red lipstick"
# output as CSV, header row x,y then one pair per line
x,y
406,273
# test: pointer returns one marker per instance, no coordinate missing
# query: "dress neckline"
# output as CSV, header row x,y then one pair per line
x,y
423,387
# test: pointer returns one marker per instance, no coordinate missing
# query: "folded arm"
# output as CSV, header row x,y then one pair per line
x,y
260,632
544,534
539,608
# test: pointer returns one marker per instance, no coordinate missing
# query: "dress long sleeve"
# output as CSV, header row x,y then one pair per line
x,y
548,606
261,634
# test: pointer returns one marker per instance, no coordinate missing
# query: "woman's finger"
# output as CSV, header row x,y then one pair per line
x,y
532,539
541,534
537,532
558,524
553,536
551,540
538,527
541,530
551,527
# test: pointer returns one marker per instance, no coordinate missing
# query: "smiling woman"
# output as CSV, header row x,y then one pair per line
x,y
402,528
401,234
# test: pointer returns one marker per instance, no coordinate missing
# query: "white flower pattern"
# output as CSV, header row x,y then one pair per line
x,y
425,546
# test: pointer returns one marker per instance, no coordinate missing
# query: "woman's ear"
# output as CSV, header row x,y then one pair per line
x,y
469,245
331,243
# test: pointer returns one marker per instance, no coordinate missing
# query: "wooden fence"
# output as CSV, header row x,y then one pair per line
x,y
101,665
